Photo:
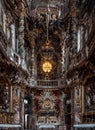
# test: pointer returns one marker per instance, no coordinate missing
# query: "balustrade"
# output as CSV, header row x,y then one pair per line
x,y
49,83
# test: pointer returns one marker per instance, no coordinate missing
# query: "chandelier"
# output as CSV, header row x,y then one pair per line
x,y
47,47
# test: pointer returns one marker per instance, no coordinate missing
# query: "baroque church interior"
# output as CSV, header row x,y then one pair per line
x,y
47,64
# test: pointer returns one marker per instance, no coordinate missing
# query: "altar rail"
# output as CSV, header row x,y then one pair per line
x,y
10,126
84,126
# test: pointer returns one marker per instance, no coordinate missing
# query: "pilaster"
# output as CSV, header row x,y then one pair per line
x,y
22,94
16,104
21,33
76,100
72,108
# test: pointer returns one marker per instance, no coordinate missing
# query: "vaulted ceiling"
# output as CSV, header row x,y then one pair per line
x,y
56,11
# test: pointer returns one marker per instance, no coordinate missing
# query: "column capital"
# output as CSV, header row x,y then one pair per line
x,y
21,9
73,8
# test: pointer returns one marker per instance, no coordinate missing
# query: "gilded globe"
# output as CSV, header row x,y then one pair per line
x,y
47,66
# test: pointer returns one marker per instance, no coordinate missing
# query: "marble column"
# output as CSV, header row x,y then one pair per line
x,y
72,107
67,56
11,99
63,57
33,103
76,100
73,48
34,68
21,33
22,106
33,61
34,114
62,107
63,102
78,103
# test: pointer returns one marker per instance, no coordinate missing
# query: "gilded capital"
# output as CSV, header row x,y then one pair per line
x,y
21,9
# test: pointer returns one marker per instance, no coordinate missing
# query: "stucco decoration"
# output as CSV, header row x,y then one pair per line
x,y
47,100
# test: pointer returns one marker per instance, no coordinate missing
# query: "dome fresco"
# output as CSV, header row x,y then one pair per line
x,y
57,8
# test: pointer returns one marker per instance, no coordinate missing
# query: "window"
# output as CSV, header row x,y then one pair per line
x,y
79,38
16,39
8,33
13,35
86,34
4,22
3,16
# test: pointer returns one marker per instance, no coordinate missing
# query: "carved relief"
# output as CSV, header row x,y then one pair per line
x,y
47,100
